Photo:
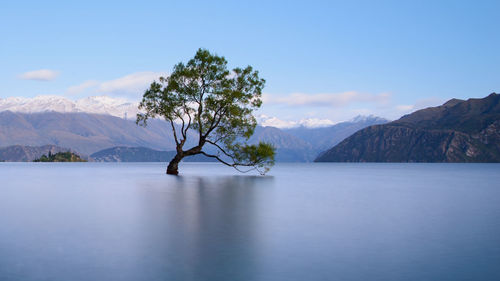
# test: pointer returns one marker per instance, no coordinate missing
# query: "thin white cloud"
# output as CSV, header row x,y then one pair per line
x,y
419,104
405,107
129,86
40,75
336,107
315,122
327,99
133,84
77,89
272,121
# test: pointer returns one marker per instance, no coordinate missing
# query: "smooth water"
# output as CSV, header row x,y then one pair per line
x,y
91,221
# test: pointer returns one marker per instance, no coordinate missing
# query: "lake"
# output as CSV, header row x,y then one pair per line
x,y
309,221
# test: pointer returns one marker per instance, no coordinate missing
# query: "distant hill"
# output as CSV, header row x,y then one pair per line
x,y
457,131
21,153
141,154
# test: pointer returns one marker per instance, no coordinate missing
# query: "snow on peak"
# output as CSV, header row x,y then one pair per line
x,y
271,121
96,104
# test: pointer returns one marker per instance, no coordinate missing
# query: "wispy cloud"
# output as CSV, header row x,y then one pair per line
x,y
336,107
40,75
130,86
272,121
419,104
327,99
77,89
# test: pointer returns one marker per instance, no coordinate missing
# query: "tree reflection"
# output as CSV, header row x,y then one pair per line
x,y
202,228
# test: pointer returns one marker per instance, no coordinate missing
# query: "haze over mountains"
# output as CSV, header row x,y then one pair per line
x,y
93,124
457,131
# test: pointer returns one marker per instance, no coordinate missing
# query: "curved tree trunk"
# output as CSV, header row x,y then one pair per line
x,y
173,166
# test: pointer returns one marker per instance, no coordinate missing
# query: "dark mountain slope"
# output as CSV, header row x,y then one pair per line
x,y
457,131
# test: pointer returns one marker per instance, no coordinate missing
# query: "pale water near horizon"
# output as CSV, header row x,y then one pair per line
x,y
314,221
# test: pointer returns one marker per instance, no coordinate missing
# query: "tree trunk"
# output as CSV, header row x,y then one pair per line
x,y
173,166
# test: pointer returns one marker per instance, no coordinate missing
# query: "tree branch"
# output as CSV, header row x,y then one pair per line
x,y
220,148
182,128
212,125
235,165
200,108
184,133
173,129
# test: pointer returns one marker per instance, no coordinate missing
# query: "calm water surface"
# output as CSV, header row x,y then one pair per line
x,y
90,221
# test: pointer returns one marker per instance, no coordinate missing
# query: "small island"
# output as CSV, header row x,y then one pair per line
x,y
60,157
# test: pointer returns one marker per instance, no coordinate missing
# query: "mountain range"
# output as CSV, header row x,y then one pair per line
x,y
88,133
97,128
457,131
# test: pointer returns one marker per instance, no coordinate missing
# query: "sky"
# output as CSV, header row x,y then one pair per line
x,y
326,61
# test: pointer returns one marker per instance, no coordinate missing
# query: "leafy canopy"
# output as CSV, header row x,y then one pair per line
x,y
204,96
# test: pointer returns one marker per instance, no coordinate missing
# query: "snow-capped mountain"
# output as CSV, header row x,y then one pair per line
x,y
106,105
123,108
96,104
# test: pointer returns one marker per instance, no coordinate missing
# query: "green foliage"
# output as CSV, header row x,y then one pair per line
x,y
60,157
204,96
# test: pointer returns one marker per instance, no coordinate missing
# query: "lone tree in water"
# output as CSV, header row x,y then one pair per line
x,y
204,97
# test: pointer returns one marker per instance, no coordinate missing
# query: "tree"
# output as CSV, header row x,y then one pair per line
x,y
204,97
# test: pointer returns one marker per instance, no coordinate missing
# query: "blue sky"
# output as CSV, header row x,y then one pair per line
x,y
321,59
